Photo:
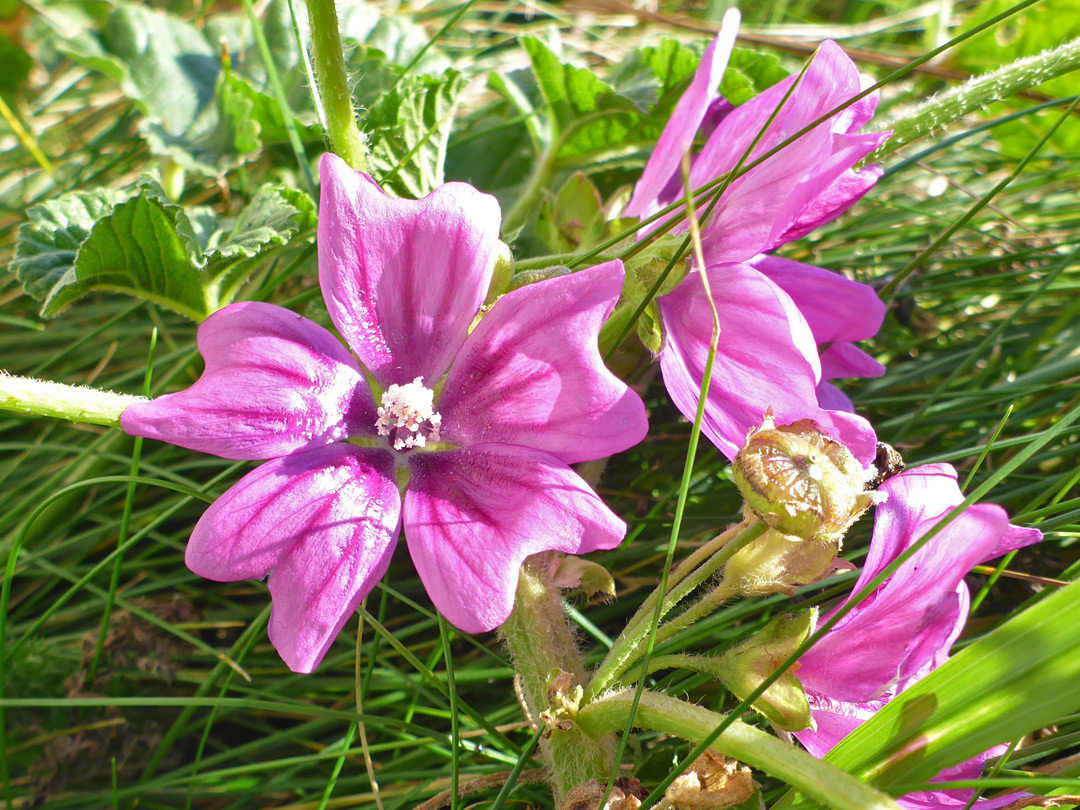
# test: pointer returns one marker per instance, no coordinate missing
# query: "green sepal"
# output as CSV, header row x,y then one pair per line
x,y
746,665
779,563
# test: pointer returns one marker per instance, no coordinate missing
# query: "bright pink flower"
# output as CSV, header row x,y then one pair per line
x,y
506,408
905,628
775,314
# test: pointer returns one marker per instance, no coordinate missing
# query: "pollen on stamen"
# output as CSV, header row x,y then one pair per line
x,y
408,416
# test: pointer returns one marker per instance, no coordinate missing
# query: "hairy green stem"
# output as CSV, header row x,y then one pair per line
x,y
702,608
1002,83
752,746
628,646
74,403
541,644
333,84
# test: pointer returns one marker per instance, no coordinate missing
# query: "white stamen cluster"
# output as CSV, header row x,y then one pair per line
x,y
408,415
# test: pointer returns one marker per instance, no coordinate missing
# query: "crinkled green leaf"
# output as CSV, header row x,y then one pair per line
x,y
46,246
171,69
570,91
273,216
643,89
135,249
238,101
1020,677
204,118
749,73
654,77
408,129
142,244
588,114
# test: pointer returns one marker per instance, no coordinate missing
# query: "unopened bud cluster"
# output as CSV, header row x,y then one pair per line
x,y
800,482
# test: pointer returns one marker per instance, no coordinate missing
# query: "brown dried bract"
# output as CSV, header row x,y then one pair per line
x,y
713,782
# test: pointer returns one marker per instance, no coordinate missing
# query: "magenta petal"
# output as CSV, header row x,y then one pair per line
x,y
836,309
322,524
832,398
531,373
843,360
689,113
833,721
767,359
958,799
403,279
760,208
473,515
910,621
845,191
274,383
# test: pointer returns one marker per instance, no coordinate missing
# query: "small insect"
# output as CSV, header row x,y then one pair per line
x,y
888,463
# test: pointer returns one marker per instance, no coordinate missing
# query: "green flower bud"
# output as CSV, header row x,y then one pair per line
x,y
801,482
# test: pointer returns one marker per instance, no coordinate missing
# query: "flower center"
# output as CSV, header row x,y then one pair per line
x,y
408,416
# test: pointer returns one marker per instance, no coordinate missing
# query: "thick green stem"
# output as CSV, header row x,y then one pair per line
x,y
826,783
541,644
74,403
1002,83
629,645
333,84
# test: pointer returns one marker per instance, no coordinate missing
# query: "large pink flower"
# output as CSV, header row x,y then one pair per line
x,y
483,424
905,628
786,327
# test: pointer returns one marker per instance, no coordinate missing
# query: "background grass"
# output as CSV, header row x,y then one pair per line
x,y
190,705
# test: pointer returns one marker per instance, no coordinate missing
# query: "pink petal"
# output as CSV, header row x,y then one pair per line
x,y
834,721
679,132
836,309
958,799
759,209
767,359
403,279
843,360
322,524
845,191
473,515
908,624
832,398
531,374
274,383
